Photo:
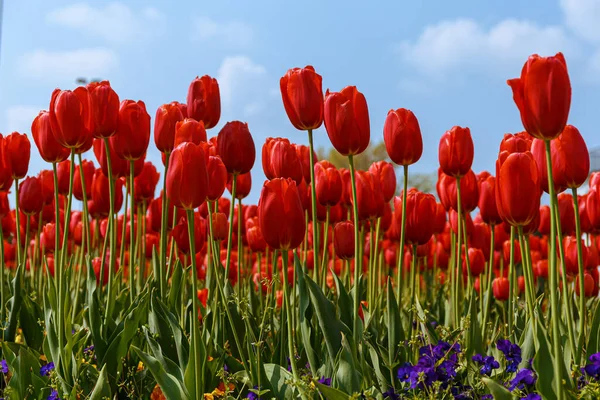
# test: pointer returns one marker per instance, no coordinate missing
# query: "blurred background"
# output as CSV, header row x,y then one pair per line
x,y
446,61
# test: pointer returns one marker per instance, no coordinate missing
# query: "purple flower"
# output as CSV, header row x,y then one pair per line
x,y
225,367
325,381
89,349
593,368
487,364
532,396
45,370
404,371
4,367
53,395
252,395
487,397
512,353
391,394
522,378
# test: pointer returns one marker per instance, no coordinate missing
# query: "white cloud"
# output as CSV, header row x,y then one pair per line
x,y
231,32
115,22
242,81
464,43
583,17
19,118
68,65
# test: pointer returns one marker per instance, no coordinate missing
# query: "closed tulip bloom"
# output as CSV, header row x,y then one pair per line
x,y
570,158
594,180
456,151
369,196
217,178
165,121
593,207
104,104
46,178
50,149
6,179
402,137
31,199
220,226
544,227
538,149
133,130
63,171
467,223
517,188
204,101
384,171
543,95
119,166
48,238
243,185
145,183
570,246
487,201
515,143
181,236
189,130
480,238
88,174
256,241
566,213
586,225
280,160
187,179
17,153
343,240
476,261
588,285
304,157
347,121
71,117
469,191
302,95
101,194
442,185
236,147
328,184
439,223
420,211
501,288
281,215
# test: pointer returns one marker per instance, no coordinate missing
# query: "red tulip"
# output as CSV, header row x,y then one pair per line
x,y
480,239
219,226
236,147
46,178
573,162
187,179
588,285
280,214
328,184
347,121
167,116
50,149
476,261
17,152
100,193
517,143
384,171
280,160
570,246
469,192
182,238
133,130
48,238
256,241
31,199
369,196
566,213
88,175
543,95
517,188
189,130
586,225
440,219
304,157
204,101
544,227
593,207
71,117
243,185
343,240
501,288
420,211
538,149
456,151
402,137
302,95
145,183
104,104
487,201
119,166
217,178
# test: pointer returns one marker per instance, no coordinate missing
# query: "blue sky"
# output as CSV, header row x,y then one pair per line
x,y
446,61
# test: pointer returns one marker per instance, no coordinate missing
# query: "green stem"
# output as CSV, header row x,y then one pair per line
x,y
18,223
63,253
458,251
357,258
240,250
131,233
288,311
582,310
401,245
194,296
511,283
163,231
230,233
313,199
558,355
111,230
488,285
324,260
413,295
529,296
86,222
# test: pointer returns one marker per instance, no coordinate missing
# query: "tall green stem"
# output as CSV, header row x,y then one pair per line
x,y
230,233
111,230
131,233
555,311
194,297
401,245
413,295
529,296
86,221
288,311
313,199
163,230
324,260
458,251
357,258
18,223
488,285
582,310
511,283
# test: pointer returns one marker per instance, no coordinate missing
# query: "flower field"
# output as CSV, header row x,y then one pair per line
x,y
127,280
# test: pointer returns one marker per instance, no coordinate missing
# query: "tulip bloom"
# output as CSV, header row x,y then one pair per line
x,y
119,166
588,285
243,185
328,184
71,117
281,215
570,158
501,288
17,152
165,121
384,171
566,213
133,130
50,149
347,121
487,201
187,179
517,188
31,199
369,196
543,95
593,207
469,190
104,104
189,130
302,95
220,226
101,195
456,151
145,183
204,101
420,212
88,174
304,157
217,178
236,147
280,160
517,143
402,137
570,246
343,240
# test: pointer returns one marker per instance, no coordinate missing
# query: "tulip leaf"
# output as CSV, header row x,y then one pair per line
x,y
347,376
278,378
394,324
305,326
170,386
498,391
344,302
544,365
102,389
593,345
330,393
15,305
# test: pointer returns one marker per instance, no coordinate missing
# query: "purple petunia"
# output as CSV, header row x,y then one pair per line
x,y
325,381
524,377
252,395
593,367
487,364
4,367
512,353
45,370
53,395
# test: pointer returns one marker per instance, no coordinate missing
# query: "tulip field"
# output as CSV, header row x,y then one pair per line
x,y
126,280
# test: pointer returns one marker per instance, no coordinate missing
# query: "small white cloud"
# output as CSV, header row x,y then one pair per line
x,y
583,17
19,118
115,22
231,32
239,76
68,65
466,44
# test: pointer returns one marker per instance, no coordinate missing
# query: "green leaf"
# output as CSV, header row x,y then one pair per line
x,y
170,386
394,324
593,345
15,305
347,376
278,376
344,302
304,319
544,365
29,316
498,391
102,389
330,393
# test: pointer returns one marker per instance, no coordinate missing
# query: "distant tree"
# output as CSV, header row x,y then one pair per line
x,y
377,152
